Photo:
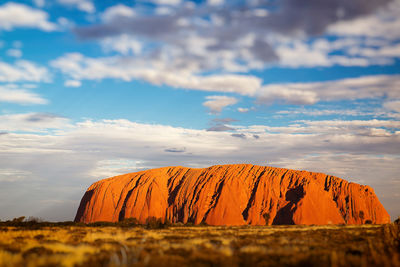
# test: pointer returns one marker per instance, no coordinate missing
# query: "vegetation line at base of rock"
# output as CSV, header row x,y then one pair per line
x,y
151,223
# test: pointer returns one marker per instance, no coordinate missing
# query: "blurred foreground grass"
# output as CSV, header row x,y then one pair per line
x,y
178,245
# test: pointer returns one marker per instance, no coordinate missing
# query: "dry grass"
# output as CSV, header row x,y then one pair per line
x,y
367,245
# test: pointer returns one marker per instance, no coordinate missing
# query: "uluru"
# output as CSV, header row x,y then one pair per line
x,y
237,194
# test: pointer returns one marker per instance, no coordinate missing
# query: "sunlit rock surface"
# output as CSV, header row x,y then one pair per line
x,y
236,194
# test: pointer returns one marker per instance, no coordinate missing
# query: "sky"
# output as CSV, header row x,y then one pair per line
x,y
91,89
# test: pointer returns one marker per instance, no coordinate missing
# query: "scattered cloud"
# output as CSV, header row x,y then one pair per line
x,y
303,17
224,120
32,122
164,10
232,37
215,2
360,128
11,94
65,23
40,117
356,123
365,87
117,11
329,112
83,5
79,67
220,128
14,53
72,83
23,70
166,2
383,52
392,105
113,167
12,175
242,136
221,125
39,3
383,23
14,15
124,44
216,103
301,53
314,18
243,110
175,150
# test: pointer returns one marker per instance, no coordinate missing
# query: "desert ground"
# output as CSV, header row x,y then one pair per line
x,y
106,244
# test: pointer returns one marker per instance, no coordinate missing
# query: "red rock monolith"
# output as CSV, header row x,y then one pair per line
x,y
236,194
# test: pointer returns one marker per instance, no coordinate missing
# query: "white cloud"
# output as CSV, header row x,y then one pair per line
x,y
163,10
72,83
19,96
14,15
83,5
112,167
215,2
356,123
39,3
116,12
365,87
218,102
321,52
328,112
353,130
23,70
167,2
79,67
392,105
202,41
383,24
289,94
12,175
14,53
123,44
383,51
64,23
376,38
260,12
297,54
104,134
32,122
243,110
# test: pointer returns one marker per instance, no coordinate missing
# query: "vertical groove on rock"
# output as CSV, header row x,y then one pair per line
x,y
121,215
245,213
214,198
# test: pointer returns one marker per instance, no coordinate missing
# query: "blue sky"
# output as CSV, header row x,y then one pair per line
x,y
91,89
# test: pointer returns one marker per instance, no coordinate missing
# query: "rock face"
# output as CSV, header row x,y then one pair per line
x,y
231,195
